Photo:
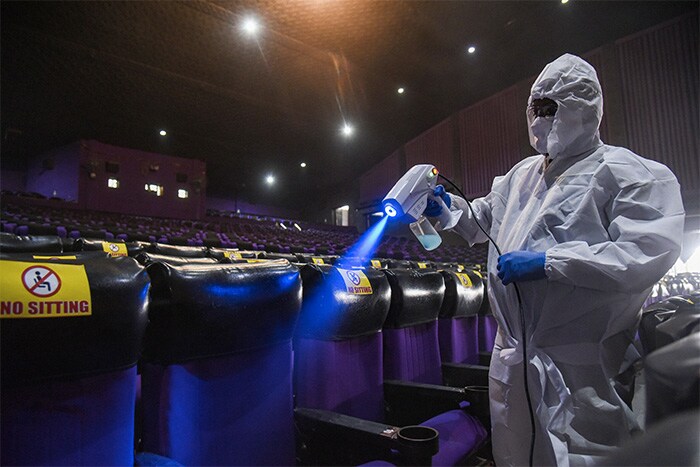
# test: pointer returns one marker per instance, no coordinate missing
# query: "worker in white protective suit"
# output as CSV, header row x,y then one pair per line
x,y
586,230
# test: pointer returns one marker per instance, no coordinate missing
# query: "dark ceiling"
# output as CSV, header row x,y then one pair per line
x,y
118,72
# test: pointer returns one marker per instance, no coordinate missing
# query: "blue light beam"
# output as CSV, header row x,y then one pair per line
x,y
366,245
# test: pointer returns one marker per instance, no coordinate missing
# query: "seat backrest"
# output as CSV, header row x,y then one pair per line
x,y
338,345
667,320
70,338
217,371
488,326
684,321
458,323
411,349
673,377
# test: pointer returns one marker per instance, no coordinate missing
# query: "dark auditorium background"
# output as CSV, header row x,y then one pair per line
x,y
87,87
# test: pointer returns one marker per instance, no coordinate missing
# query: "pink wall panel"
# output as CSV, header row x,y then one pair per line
x,y
490,139
376,182
435,146
660,76
137,168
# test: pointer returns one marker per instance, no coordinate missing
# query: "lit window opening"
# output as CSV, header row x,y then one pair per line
x,y
182,193
153,188
112,183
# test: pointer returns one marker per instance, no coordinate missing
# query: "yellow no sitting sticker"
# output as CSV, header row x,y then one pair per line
x,y
464,279
233,254
356,282
44,290
376,263
115,249
317,260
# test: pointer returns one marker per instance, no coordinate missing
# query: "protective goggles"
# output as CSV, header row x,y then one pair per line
x,y
543,107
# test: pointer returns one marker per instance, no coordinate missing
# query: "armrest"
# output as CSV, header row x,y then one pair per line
x,y
485,357
409,403
331,437
460,375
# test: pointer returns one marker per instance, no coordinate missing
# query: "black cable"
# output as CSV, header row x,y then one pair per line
x,y
522,323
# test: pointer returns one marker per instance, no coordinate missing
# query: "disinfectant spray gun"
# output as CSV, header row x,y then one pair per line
x,y
408,199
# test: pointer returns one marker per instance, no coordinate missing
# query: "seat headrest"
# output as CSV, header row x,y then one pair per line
x,y
11,243
221,253
342,304
205,310
148,258
70,317
416,296
464,292
177,250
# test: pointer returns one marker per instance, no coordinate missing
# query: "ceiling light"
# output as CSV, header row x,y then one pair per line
x,y
163,132
565,1
400,90
303,164
250,26
471,49
347,130
270,180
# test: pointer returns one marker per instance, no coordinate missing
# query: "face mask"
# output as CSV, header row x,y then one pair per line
x,y
540,128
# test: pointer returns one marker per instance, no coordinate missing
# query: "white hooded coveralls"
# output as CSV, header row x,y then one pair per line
x,y
610,223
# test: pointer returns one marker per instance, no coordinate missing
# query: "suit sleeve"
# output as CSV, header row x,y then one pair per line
x,y
645,230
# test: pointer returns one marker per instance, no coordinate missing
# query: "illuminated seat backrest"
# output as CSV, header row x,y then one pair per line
x,y
458,323
70,336
217,371
338,345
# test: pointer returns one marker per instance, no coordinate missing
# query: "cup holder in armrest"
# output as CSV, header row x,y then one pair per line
x,y
416,434
478,397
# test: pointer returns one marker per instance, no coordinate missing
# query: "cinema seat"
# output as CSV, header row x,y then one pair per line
x,y
68,382
488,327
340,393
412,354
458,323
672,378
217,364
668,320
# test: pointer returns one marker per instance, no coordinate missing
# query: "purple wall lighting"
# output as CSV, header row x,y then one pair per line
x,y
223,204
55,173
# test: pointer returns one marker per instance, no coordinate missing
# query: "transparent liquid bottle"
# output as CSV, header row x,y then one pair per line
x,y
426,233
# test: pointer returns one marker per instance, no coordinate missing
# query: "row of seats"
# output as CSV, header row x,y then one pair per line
x,y
249,233
147,252
219,346
684,283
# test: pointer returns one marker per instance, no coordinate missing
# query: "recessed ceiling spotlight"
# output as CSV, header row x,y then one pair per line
x,y
565,1
250,25
270,180
347,130
303,164
471,49
400,90
163,132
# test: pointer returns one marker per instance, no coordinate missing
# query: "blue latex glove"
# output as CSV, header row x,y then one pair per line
x,y
433,209
517,266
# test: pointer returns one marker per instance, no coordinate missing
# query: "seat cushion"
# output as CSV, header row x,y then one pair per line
x,y
461,435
